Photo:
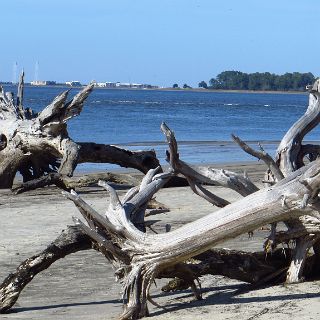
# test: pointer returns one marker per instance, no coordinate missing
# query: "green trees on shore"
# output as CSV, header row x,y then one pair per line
x,y
262,81
203,84
237,80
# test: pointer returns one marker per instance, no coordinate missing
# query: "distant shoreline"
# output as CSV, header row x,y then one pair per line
x,y
174,89
232,91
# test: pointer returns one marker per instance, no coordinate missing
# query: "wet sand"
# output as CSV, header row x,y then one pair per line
x,y
82,286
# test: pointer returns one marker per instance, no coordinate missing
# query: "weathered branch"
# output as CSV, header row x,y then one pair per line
x,y
68,183
206,175
303,244
102,153
271,164
7,107
287,156
254,268
152,253
52,110
69,161
70,240
20,109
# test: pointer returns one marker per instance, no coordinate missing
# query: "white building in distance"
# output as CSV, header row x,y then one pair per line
x,y
74,83
43,83
123,85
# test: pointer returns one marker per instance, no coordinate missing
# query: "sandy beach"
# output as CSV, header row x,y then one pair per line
x,y
82,285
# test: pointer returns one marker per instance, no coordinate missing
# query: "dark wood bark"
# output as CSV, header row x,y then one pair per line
x,y
70,240
68,183
102,153
255,268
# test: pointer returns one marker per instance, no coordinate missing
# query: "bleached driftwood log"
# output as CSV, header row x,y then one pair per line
x,y
253,268
148,255
291,151
290,156
205,175
38,144
140,257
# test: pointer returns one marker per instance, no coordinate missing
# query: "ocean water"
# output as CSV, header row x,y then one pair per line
x,y
202,121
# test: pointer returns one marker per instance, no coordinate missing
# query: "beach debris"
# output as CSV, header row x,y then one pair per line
x,y
38,144
186,253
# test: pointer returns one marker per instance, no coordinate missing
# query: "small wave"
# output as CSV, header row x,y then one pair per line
x,y
126,101
291,105
152,102
231,104
266,105
114,102
183,103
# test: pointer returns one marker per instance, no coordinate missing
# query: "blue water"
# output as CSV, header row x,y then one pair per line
x,y
132,120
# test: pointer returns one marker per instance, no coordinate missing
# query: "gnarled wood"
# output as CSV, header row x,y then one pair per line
x,y
141,257
206,175
149,254
102,153
273,167
287,156
39,144
68,183
290,157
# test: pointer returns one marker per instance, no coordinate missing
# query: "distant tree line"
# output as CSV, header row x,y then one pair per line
x,y
237,80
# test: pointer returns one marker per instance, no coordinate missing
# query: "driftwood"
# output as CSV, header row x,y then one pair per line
x,y
253,268
291,196
39,144
140,257
68,183
71,240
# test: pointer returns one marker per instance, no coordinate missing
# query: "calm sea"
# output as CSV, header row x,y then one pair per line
x,y
202,121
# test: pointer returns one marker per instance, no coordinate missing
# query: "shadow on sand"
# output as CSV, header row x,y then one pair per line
x,y
63,305
228,297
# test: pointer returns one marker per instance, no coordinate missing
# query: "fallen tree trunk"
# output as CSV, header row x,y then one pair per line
x,y
290,156
243,266
39,144
254,268
68,183
102,153
149,255
141,257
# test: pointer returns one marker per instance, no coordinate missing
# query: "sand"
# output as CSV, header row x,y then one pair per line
x,y
82,286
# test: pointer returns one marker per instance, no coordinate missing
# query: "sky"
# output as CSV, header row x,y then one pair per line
x,y
157,42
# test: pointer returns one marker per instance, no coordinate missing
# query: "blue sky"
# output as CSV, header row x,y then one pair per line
x,y
158,42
